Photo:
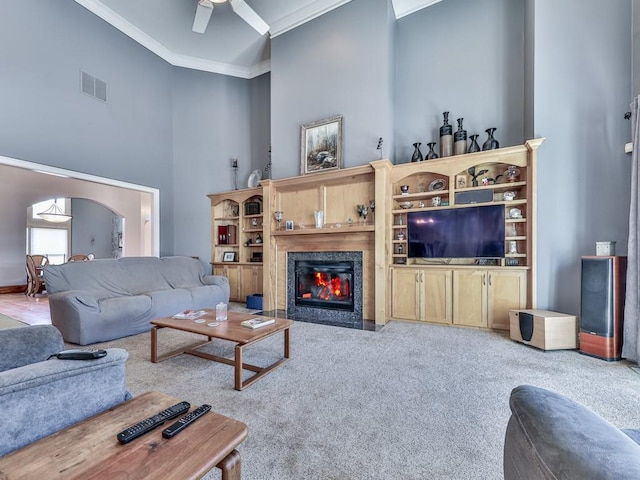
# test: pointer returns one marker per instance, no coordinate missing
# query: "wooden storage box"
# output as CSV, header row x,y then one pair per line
x,y
544,329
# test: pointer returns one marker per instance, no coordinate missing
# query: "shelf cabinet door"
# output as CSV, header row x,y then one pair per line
x,y
232,272
437,295
507,291
470,297
405,293
251,281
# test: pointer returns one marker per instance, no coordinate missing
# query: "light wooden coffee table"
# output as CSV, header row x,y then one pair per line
x,y
230,330
89,450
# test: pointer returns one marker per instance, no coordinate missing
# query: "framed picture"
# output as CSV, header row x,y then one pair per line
x,y
461,181
289,224
229,257
321,145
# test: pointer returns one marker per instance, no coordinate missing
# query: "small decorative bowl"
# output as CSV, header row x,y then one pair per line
x,y
508,196
406,205
404,189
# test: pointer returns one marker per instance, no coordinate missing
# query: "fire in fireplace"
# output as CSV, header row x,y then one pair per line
x,y
324,284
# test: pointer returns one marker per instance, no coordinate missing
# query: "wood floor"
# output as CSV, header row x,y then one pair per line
x,y
31,310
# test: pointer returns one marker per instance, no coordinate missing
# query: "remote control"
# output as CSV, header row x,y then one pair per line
x,y
185,421
80,354
148,424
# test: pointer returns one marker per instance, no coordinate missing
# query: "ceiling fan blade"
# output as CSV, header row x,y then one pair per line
x,y
245,12
203,14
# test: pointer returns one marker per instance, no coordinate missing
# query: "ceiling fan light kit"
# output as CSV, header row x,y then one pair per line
x,y
240,7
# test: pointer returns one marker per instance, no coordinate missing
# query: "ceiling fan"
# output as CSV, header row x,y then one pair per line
x,y
205,9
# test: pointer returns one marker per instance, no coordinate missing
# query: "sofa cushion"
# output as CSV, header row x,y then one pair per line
x,y
550,436
182,272
168,302
104,278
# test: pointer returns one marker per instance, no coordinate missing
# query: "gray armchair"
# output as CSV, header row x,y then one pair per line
x,y
550,436
40,396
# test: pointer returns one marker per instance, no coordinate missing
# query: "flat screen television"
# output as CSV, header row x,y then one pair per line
x,y
468,232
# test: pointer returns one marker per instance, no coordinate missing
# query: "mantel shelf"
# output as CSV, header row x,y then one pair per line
x,y
325,231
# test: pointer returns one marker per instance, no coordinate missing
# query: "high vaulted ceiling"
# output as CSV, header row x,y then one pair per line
x,y
229,45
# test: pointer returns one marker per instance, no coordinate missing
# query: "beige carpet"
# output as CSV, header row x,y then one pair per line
x,y
408,402
8,322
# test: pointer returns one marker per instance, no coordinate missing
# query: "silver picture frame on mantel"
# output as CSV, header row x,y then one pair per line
x,y
321,145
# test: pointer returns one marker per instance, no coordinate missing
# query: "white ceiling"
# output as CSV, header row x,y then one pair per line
x,y
229,45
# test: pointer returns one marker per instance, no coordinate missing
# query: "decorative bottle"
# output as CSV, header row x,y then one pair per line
x,y
431,154
473,144
460,140
417,154
446,137
490,143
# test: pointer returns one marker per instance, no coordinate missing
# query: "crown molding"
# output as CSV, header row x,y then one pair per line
x,y
304,15
402,8
98,8
299,17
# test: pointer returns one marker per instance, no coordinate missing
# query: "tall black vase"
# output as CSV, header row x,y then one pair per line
x,y
417,154
490,143
460,140
446,137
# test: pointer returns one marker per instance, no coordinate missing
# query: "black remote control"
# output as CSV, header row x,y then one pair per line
x,y
148,424
185,421
80,354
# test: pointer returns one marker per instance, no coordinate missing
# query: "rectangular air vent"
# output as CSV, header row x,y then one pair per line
x,y
93,86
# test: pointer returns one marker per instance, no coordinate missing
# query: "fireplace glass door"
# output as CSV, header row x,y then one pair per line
x,y
324,284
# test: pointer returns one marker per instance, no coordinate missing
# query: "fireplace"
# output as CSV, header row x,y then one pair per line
x,y
325,285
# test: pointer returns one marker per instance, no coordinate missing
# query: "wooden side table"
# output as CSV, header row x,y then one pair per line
x,y
90,450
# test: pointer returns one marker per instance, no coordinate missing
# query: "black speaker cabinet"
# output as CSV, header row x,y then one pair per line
x,y
475,196
602,306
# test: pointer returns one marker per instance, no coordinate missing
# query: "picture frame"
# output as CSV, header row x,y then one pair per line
x,y
289,224
229,257
321,145
461,181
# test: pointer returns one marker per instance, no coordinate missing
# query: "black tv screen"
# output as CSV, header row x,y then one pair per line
x,y
469,232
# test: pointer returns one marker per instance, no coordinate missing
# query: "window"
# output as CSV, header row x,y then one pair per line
x,y
52,242
45,238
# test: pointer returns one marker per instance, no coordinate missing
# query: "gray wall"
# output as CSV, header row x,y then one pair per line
x,y
465,57
91,221
45,118
636,49
582,85
550,76
212,123
315,75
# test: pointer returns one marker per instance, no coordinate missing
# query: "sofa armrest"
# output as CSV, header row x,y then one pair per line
x,y
72,312
45,397
549,436
219,280
25,345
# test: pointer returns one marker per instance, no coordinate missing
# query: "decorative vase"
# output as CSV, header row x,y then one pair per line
x,y
318,215
446,137
490,143
460,139
417,154
473,144
431,154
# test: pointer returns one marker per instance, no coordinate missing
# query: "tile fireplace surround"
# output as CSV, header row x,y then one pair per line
x,y
326,244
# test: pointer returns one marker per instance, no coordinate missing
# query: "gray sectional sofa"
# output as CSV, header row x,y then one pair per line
x,y
40,396
550,436
107,299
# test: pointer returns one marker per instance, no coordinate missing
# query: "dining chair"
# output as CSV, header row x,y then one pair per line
x,y
78,258
35,280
